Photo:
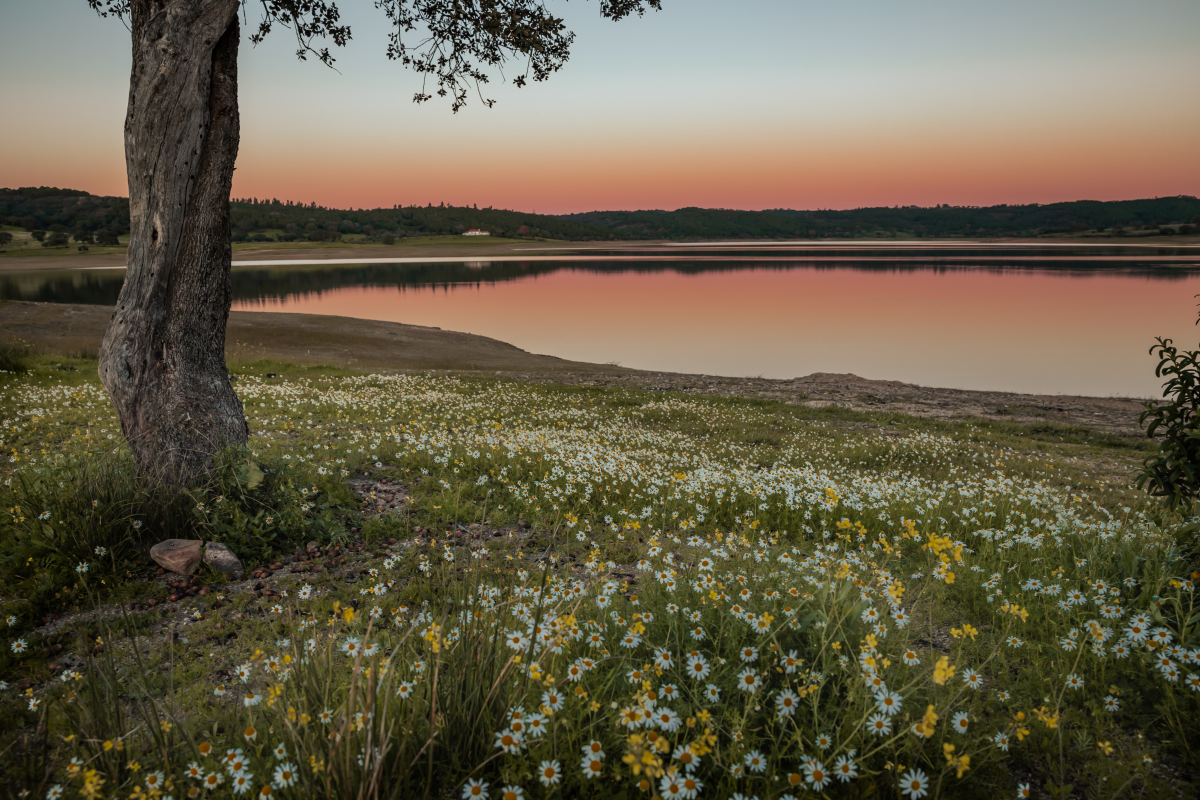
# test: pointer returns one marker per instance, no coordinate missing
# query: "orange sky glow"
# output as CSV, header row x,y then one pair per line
x,y
777,105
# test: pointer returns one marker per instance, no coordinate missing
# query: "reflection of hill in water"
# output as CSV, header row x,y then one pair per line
x,y
85,288
103,287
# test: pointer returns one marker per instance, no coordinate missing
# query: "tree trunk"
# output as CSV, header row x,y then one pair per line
x,y
163,356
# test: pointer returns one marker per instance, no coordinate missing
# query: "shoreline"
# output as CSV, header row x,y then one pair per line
x,y
372,346
306,254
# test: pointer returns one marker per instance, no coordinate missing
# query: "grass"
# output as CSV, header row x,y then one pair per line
x,y
844,549
13,358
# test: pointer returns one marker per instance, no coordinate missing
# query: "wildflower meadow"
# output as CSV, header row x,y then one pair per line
x,y
589,592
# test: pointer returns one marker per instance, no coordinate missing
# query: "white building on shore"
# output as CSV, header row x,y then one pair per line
x,y
476,232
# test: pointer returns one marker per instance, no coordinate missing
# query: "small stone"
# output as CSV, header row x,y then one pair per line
x,y
222,559
180,556
312,547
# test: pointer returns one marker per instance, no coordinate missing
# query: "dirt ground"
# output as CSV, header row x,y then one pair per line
x,y
304,339
309,339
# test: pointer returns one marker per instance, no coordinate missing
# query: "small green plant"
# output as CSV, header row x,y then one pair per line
x,y
12,358
1173,473
97,514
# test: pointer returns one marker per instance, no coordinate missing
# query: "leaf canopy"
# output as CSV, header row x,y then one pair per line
x,y
456,45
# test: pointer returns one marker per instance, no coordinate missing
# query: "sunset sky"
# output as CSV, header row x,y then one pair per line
x,y
752,104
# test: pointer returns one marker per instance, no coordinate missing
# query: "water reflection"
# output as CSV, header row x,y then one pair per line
x,y
102,286
1039,320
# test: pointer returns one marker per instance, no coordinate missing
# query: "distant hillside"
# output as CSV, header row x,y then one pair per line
x,y
65,210
287,221
85,216
1168,215
82,214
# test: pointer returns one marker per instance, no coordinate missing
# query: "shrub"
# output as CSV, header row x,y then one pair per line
x,y
107,238
1173,473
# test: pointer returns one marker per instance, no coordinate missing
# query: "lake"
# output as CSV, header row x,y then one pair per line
x,y
1039,319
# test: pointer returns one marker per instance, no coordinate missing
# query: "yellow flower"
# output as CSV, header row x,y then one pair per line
x,y
1020,730
1046,718
959,763
943,671
1105,748
91,784
928,722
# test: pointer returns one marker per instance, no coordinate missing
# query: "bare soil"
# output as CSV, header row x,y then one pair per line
x,y
303,339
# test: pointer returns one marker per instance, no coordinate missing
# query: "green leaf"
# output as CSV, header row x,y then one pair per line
x,y
254,475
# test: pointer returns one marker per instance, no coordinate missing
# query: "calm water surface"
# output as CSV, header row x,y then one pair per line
x,y
1028,320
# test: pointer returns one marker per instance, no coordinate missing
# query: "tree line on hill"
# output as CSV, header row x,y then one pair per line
x,y
1162,215
260,220
54,213
58,216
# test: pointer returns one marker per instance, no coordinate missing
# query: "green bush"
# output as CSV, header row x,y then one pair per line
x,y
1173,473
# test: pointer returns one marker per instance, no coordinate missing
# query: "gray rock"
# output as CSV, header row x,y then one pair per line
x,y
178,555
222,559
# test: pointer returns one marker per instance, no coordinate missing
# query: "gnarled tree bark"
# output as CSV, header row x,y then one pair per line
x,y
163,356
